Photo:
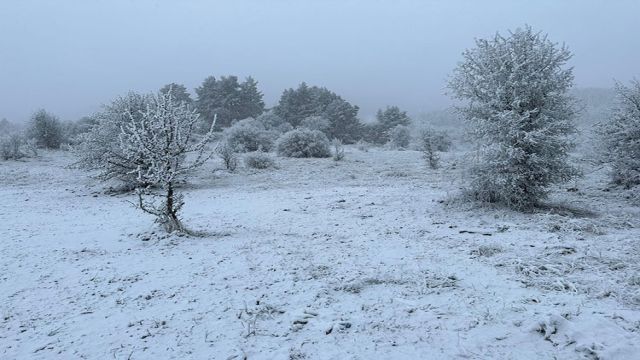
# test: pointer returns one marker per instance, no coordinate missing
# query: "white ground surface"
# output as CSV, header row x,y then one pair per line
x,y
359,259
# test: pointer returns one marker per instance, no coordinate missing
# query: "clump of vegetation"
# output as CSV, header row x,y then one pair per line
x,y
303,143
259,160
228,156
46,129
520,114
621,137
429,147
400,137
249,135
338,150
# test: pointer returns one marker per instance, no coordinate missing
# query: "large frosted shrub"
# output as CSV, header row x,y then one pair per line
x,y
621,136
400,137
249,135
304,143
520,114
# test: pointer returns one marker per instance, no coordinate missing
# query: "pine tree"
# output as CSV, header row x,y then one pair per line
x,y
520,114
391,117
228,100
99,148
179,93
295,105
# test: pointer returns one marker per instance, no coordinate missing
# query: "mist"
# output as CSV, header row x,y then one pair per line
x,y
70,57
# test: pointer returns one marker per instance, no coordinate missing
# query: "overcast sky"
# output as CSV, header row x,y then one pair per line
x,y
71,56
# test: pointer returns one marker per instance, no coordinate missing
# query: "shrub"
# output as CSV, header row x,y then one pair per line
x,y
303,143
249,135
228,156
429,147
338,150
316,123
259,160
11,147
621,137
46,129
400,137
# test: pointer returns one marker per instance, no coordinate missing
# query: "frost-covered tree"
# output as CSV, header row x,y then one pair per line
x,y
295,105
621,136
163,136
519,111
228,100
99,149
46,129
179,93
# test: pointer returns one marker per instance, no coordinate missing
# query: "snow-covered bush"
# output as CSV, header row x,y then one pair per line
x,y
273,122
46,129
400,137
99,148
316,123
303,143
228,156
438,139
11,146
259,160
520,114
621,136
428,145
162,137
249,135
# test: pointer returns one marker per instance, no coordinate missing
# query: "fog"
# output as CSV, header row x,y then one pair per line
x,y
70,57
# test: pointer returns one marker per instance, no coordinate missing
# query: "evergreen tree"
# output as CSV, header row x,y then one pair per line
x,y
179,93
621,136
295,105
391,117
229,100
520,114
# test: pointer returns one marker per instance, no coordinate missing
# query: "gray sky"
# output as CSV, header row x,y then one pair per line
x,y
71,56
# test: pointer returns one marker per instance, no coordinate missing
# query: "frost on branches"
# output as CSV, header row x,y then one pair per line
x,y
621,136
162,136
520,113
100,150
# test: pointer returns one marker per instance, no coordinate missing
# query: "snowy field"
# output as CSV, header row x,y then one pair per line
x,y
368,258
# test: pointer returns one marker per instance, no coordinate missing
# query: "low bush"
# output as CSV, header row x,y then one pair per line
x,y
303,143
259,160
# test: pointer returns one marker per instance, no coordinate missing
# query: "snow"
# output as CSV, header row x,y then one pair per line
x,y
369,257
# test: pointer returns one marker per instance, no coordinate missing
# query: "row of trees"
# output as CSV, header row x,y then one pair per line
x,y
514,95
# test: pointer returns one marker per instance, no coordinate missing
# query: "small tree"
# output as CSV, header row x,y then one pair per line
x,y
621,136
45,128
163,137
429,146
391,117
520,113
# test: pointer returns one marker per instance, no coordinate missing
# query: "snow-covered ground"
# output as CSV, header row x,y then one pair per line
x,y
368,258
